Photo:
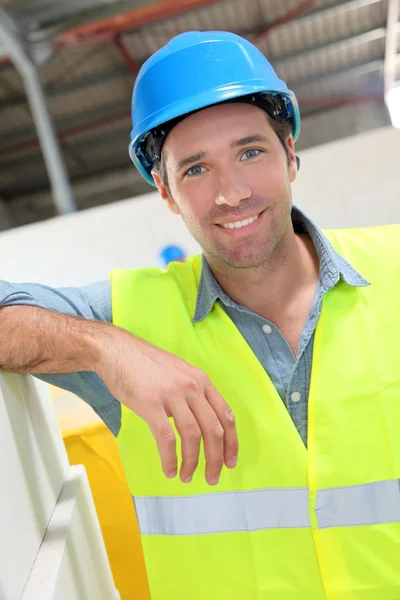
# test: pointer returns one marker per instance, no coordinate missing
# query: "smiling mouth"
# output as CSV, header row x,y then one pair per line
x,y
239,224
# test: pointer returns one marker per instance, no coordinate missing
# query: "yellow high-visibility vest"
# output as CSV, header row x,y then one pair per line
x,y
288,523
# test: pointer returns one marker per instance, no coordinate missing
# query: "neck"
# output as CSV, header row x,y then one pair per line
x,y
268,289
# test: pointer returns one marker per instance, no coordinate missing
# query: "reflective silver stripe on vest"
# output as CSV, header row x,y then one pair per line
x,y
368,504
223,512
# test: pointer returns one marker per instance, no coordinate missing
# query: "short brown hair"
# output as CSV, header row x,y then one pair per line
x,y
281,127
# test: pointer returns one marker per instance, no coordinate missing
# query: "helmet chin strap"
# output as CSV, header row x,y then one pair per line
x,y
151,147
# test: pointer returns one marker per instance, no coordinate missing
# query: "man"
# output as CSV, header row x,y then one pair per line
x,y
290,330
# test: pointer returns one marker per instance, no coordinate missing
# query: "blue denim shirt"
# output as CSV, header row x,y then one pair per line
x,y
290,374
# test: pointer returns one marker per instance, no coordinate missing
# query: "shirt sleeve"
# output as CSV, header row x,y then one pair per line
x,y
90,302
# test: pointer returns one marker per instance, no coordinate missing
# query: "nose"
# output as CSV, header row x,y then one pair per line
x,y
232,192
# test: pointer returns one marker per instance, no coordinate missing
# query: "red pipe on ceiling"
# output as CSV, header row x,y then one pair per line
x,y
131,20
126,56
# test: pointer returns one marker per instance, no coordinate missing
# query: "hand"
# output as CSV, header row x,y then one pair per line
x,y
156,385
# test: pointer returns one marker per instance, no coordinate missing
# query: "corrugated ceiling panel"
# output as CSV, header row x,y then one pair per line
x,y
14,117
90,97
79,61
16,177
272,10
10,82
332,24
334,57
121,126
113,147
233,15
101,152
21,151
78,142
8,177
356,82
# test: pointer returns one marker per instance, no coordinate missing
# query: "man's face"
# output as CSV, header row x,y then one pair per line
x,y
229,179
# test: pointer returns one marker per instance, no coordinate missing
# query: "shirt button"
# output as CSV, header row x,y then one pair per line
x,y
267,329
296,396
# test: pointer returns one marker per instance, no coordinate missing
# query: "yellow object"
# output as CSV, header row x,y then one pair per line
x,y
89,442
286,523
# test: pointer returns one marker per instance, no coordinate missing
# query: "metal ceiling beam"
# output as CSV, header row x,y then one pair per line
x,y
21,56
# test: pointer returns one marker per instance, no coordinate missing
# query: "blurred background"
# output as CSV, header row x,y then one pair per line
x,y
67,69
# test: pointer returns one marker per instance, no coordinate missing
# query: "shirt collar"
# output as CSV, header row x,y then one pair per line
x,y
332,267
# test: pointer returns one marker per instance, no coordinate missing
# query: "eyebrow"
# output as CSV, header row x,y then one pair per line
x,y
185,162
249,139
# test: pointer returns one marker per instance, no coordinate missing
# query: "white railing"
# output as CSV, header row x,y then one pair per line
x,y
51,545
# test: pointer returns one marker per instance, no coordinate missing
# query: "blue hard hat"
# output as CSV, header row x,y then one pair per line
x,y
195,70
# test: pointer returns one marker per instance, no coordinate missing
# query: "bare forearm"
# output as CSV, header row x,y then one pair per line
x,y
35,340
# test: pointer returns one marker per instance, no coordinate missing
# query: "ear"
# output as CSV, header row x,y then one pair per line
x,y
292,159
165,194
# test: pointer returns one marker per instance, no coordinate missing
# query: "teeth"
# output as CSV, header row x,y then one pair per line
x,y
239,224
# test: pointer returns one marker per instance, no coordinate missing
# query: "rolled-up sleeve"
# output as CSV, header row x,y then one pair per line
x,y
90,302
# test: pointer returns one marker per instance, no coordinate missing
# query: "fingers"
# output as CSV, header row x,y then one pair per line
x,y
164,435
190,433
200,413
227,419
213,436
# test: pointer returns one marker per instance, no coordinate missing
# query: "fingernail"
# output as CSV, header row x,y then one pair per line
x,y
232,462
171,474
214,481
188,479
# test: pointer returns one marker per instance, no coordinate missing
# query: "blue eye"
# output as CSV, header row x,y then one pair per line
x,y
251,153
196,170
